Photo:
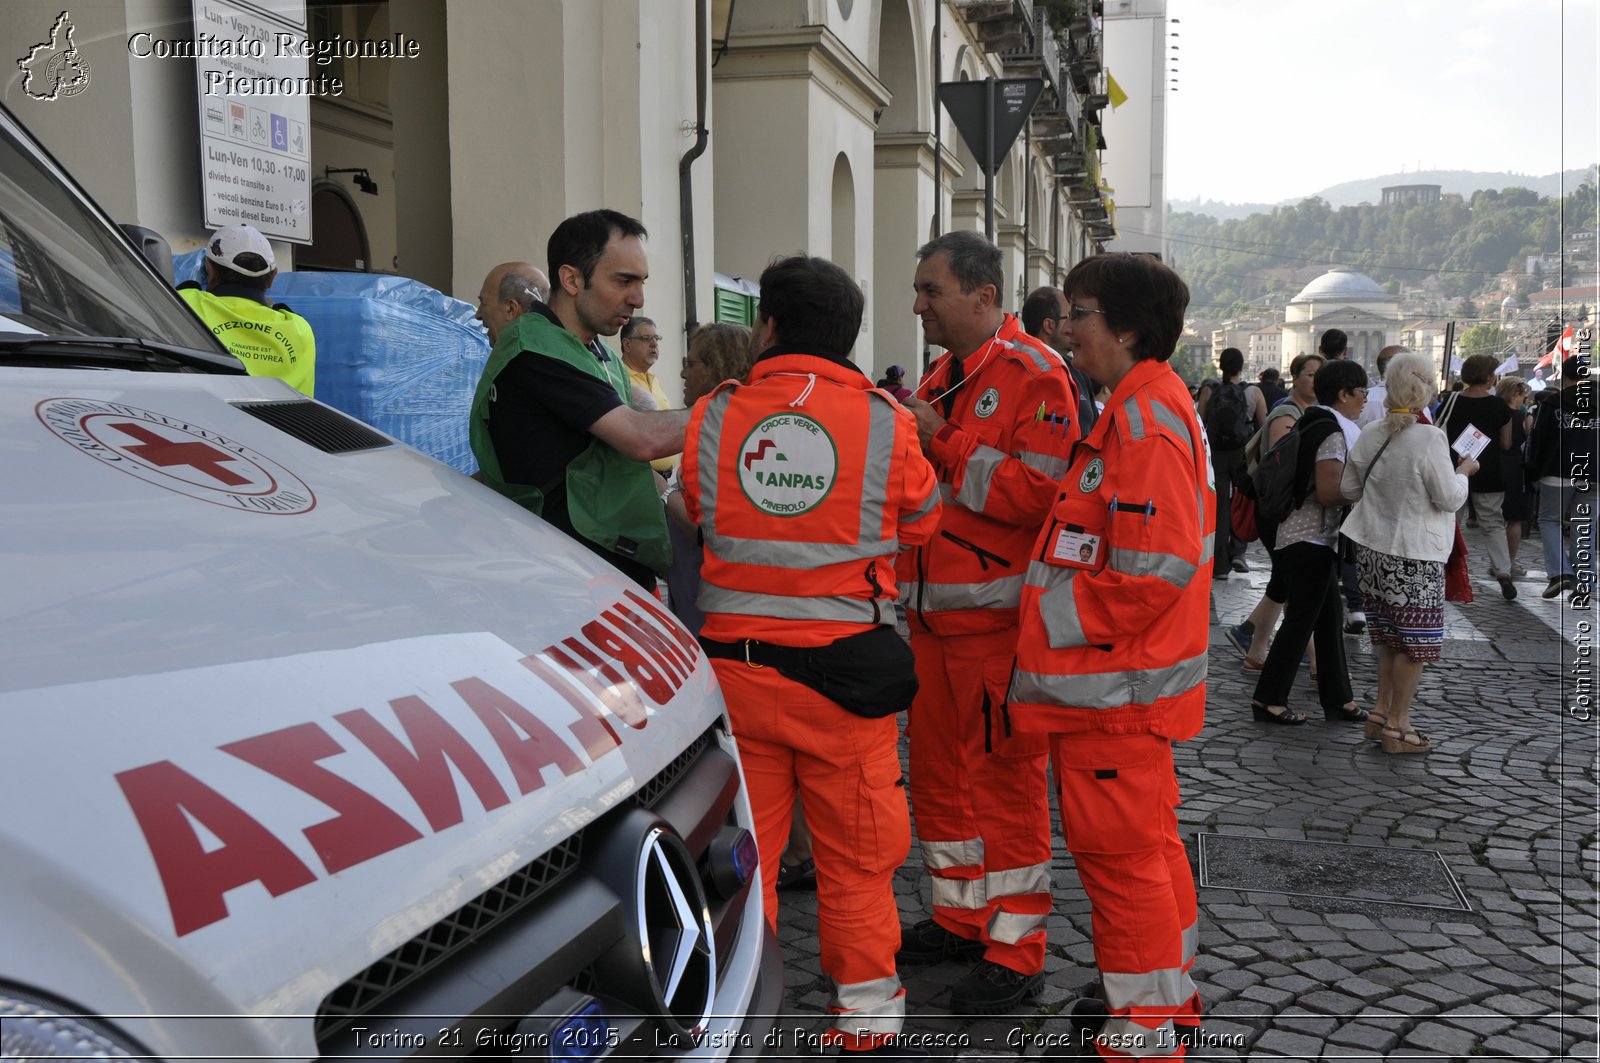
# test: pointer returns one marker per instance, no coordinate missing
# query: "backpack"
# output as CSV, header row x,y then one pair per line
x,y
1228,417
1274,477
1282,480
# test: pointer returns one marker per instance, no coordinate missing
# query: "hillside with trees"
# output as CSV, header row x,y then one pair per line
x,y
1454,248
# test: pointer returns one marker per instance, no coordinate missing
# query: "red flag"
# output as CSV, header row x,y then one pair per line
x,y
1559,351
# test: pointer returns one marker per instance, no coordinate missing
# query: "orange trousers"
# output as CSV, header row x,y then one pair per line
x,y
981,798
846,771
1118,798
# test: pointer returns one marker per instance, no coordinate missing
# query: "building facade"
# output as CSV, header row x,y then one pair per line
x,y
737,132
1346,300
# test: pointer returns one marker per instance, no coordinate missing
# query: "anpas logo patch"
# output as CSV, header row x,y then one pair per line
x,y
787,465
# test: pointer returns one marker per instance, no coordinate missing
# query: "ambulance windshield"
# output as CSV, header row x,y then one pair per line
x,y
65,272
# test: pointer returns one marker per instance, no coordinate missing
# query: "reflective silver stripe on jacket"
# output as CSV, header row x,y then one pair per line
x,y
937,856
927,507
1040,362
1002,593
715,599
794,554
980,468
1058,609
1052,465
1208,547
1009,928
1174,424
1191,942
875,1007
1170,567
1109,690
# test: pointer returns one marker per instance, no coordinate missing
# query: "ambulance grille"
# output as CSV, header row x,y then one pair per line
x,y
363,994
321,426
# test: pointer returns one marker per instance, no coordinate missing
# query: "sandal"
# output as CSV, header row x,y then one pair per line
x,y
1287,717
1376,722
1252,664
801,876
1407,741
1345,713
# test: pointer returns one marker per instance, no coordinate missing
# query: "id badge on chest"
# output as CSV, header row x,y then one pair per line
x,y
1076,547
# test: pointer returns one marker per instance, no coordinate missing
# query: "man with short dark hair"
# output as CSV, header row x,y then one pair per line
x,y
1239,412
805,483
551,425
1272,389
269,338
1042,314
997,415
508,292
1334,345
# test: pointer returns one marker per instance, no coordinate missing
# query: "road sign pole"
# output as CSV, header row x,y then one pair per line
x,y
988,159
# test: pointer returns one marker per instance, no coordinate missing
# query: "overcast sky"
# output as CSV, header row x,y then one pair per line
x,y
1281,98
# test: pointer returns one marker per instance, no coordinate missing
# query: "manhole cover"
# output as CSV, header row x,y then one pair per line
x,y
1418,878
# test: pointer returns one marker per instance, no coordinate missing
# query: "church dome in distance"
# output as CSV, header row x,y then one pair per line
x,y
1342,284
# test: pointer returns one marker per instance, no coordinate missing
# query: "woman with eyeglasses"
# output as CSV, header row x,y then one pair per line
x,y
1252,637
1111,654
1308,552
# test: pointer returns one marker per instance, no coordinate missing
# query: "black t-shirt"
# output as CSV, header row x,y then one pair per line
x,y
540,413
1488,414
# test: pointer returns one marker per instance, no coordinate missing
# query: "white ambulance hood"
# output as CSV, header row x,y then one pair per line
x,y
223,652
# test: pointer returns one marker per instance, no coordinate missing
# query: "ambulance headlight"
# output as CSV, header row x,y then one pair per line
x,y
35,1029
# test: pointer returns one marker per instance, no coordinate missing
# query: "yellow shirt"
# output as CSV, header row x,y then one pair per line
x,y
269,342
646,381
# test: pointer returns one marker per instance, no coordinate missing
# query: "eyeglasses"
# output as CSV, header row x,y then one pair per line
x,y
1076,312
644,339
536,294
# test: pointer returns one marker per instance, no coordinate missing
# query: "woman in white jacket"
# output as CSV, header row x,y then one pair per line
x,y
1403,524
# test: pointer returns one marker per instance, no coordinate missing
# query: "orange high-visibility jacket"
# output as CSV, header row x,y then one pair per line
x,y
1006,445
805,483
1115,612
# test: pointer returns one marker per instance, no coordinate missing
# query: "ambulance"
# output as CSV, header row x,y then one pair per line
x,y
315,748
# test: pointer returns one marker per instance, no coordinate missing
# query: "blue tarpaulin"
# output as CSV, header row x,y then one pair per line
x,y
391,351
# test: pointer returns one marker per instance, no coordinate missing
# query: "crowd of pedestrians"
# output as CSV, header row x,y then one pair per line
x,y
1385,474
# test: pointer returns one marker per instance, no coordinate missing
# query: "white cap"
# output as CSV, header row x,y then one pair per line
x,y
241,249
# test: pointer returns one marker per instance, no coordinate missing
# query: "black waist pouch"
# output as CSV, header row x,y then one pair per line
x,y
871,674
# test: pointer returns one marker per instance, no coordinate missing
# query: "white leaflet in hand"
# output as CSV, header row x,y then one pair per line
x,y
1470,443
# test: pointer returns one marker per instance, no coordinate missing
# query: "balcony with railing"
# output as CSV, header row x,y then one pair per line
x,y
999,25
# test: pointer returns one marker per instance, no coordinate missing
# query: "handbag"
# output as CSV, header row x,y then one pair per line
x,y
1242,517
1457,584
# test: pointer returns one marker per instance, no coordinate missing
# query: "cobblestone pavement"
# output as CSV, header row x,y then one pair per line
x,y
1507,798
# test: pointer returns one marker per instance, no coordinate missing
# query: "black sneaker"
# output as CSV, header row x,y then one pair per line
x,y
993,989
1556,585
1508,590
1239,565
928,942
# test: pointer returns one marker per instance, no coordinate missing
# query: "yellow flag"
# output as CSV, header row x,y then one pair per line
x,y
1114,92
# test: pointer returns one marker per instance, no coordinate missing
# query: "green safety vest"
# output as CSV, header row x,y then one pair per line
x,y
612,500
269,340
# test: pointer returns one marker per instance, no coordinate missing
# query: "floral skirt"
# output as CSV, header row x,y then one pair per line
x,y
1404,602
